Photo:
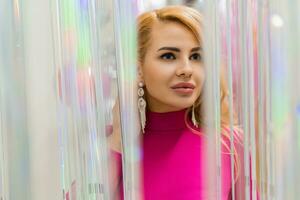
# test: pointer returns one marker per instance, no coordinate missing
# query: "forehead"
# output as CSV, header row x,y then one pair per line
x,y
172,34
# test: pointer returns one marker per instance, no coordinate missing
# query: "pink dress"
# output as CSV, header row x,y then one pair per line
x,y
174,160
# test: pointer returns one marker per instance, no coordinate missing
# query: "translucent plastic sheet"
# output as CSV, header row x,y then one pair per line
x,y
263,107
241,57
26,104
212,48
253,44
95,70
236,48
284,107
14,133
85,72
125,15
3,176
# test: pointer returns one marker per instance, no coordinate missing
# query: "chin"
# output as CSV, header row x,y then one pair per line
x,y
181,105
185,103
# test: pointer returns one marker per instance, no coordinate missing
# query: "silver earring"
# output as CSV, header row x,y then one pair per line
x,y
142,106
193,117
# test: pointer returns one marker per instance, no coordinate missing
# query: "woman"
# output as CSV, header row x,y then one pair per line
x,y
171,76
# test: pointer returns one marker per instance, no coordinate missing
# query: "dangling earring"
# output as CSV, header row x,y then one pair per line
x,y
193,117
142,106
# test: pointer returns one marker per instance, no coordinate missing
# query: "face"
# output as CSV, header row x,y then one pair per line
x,y
172,70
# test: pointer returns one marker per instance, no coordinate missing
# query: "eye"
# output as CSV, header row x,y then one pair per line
x,y
196,56
168,56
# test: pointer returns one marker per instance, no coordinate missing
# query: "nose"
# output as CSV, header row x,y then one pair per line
x,y
185,69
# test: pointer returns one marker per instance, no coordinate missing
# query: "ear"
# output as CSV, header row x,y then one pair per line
x,y
140,72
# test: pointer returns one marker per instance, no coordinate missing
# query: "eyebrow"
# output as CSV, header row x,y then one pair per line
x,y
196,49
178,50
169,48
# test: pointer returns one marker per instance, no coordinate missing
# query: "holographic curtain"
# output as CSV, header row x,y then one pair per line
x,y
95,64
85,88
26,102
82,61
125,15
259,45
239,27
29,159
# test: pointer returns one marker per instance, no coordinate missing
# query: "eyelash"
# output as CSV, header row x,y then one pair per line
x,y
199,58
166,56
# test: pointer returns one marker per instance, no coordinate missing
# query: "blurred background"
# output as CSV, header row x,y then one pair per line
x,y
63,64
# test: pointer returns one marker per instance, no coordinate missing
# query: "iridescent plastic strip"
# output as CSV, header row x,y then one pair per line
x,y
81,117
125,13
245,87
251,68
99,69
14,100
263,92
229,78
212,100
3,159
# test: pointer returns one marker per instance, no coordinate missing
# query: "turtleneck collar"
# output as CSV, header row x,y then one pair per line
x,y
167,121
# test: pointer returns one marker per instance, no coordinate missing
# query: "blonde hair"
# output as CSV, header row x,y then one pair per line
x,y
193,20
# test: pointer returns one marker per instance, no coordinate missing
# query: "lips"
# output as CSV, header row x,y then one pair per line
x,y
184,88
183,85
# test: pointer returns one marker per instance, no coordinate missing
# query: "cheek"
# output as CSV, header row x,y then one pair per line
x,y
156,74
151,78
200,77
154,82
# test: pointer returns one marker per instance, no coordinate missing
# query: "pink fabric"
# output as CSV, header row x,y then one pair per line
x,y
174,160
